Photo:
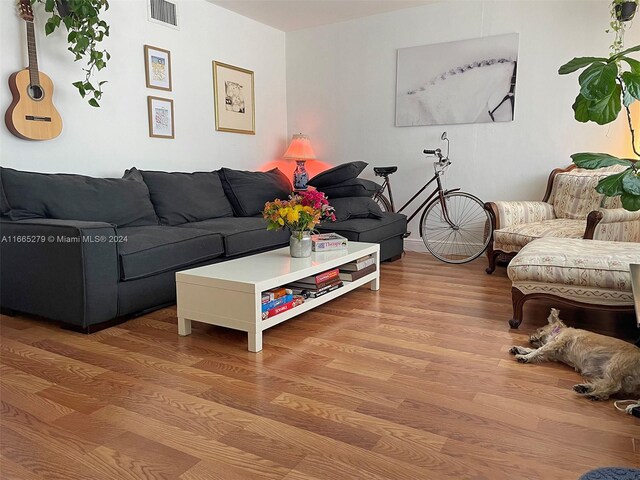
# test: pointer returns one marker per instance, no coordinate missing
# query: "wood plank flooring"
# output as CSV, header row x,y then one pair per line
x,y
411,382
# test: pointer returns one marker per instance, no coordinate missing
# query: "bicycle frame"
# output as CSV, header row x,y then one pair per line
x,y
438,190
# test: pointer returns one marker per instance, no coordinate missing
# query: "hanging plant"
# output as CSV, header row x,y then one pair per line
x,y
85,30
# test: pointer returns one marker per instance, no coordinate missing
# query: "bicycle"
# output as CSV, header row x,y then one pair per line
x,y
454,226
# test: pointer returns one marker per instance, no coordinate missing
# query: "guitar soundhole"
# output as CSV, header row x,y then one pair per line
x,y
36,92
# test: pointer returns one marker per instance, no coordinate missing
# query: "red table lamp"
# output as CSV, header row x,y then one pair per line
x,y
300,150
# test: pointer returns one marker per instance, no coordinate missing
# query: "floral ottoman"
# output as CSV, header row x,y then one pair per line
x,y
585,273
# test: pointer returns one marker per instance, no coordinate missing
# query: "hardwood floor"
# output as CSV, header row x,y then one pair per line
x,y
412,382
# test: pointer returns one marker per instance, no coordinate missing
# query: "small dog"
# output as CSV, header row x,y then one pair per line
x,y
610,365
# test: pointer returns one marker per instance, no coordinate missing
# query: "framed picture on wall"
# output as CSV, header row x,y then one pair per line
x,y
234,101
157,63
160,117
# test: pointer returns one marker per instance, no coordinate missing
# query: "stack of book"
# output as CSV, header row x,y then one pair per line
x,y
354,270
317,285
325,242
279,300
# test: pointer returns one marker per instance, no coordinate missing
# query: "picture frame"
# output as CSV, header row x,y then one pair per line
x,y
234,99
157,66
161,123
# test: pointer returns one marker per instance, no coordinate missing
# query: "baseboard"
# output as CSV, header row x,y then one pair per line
x,y
414,245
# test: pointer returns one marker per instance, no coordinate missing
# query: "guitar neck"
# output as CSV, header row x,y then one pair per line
x,y
34,75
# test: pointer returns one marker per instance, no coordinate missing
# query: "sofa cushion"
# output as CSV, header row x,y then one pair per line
x,y
578,265
356,187
147,251
374,230
249,191
186,197
512,239
243,235
355,207
4,203
120,201
574,194
338,174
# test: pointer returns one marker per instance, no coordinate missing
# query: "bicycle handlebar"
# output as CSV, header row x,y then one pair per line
x,y
432,152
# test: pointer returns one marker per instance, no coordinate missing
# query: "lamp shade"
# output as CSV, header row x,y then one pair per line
x,y
300,148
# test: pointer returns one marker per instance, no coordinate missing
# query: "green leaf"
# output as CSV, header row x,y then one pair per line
x,y
606,109
624,53
578,63
632,83
71,38
630,202
634,64
49,27
48,5
611,186
581,108
77,84
598,80
81,43
627,98
592,160
631,183
94,103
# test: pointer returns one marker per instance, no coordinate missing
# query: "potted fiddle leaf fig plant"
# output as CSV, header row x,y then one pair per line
x,y
609,85
85,30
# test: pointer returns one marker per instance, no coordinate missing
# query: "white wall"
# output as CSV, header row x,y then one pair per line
x,y
341,91
105,141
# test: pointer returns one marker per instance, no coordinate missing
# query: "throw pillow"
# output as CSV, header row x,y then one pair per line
x,y
355,207
249,191
338,174
120,201
186,197
356,187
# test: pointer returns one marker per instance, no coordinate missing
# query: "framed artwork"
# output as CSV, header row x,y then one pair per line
x,y
160,117
157,63
468,81
234,101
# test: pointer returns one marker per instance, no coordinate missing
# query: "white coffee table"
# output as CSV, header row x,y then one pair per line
x,y
229,294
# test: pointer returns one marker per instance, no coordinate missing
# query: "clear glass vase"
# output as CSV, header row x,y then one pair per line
x,y
300,244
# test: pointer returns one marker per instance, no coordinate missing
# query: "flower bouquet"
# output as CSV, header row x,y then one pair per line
x,y
300,213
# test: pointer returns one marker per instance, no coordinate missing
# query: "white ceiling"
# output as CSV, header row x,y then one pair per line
x,y
290,15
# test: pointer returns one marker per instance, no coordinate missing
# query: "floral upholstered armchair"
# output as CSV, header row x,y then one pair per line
x,y
571,208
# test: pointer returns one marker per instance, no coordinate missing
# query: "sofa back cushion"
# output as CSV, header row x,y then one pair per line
x,y
338,174
249,191
355,187
120,201
186,197
573,194
355,207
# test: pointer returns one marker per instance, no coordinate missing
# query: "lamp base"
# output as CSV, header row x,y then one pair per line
x,y
300,176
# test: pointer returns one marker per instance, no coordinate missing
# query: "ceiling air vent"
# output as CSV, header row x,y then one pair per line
x,y
163,12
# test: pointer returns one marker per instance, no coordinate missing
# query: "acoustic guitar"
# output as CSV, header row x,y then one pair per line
x,y
32,115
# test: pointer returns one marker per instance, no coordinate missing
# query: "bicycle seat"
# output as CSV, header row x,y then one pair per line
x,y
383,171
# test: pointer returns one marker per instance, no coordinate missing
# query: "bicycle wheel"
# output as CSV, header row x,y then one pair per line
x,y
383,202
469,235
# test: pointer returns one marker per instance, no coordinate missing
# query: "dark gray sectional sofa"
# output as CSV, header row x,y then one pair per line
x,y
89,251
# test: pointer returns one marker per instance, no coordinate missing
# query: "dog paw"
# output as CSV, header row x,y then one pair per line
x,y
597,398
514,350
522,358
581,389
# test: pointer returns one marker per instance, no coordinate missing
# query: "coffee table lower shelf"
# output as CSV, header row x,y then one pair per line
x,y
238,305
